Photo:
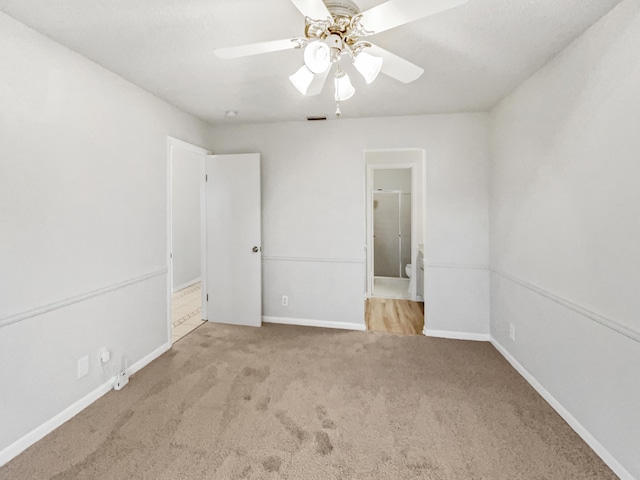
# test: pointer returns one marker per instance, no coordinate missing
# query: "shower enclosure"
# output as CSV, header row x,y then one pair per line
x,y
391,233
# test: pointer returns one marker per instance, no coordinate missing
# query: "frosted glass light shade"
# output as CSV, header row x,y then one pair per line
x,y
368,66
343,87
302,79
308,83
317,56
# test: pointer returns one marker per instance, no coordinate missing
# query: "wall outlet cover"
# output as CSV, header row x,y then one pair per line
x,y
83,367
122,378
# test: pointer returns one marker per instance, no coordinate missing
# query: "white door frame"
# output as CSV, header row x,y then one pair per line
x,y
416,184
171,144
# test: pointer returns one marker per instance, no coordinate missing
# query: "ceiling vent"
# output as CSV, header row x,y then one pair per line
x,y
316,118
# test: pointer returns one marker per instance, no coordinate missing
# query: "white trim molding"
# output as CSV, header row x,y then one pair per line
x,y
147,359
20,445
176,142
186,285
589,439
18,317
476,337
615,325
274,258
305,322
456,266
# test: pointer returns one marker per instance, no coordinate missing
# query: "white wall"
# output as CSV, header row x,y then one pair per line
x,y
313,216
565,231
83,202
187,167
397,179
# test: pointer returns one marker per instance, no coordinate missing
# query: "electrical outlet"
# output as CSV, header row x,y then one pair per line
x,y
122,375
285,301
83,367
122,378
512,332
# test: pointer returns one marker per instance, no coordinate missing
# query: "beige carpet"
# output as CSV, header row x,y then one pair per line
x,y
306,403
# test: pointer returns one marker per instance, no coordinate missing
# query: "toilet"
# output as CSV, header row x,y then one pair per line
x,y
408,270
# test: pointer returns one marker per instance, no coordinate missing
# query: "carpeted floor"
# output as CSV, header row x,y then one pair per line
x,y
283,402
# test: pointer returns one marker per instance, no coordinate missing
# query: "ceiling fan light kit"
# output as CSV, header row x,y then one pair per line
x,y
317,56
343,88
368,66
308,83
335,28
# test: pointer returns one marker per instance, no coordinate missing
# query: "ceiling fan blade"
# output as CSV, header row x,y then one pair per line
x,y
256,48
395,66
315,9
318,83
394,13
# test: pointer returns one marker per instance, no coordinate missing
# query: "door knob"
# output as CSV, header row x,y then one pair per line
x,y
255,249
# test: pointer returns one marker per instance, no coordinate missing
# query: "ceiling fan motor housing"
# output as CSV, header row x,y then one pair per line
x,y
335,44
342,8
342,29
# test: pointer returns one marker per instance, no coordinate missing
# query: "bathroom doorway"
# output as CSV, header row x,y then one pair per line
x,y
392,233
395,240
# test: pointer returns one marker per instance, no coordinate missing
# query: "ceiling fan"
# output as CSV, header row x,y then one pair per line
x,y
335,29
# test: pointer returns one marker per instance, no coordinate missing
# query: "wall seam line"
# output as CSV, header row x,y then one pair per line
x,y
34,312
604,321
312,259
459,266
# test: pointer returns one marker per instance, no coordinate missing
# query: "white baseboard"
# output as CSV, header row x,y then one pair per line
x,y
589,439
146,360
305,322
185,285
476,337
20,445
49,426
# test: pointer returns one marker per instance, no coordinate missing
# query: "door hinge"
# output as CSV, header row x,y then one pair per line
x,y
206,178
207,297
171,255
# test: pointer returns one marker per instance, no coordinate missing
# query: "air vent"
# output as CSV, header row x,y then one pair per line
x,y
317,118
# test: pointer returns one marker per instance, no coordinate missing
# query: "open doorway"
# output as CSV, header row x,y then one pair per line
x,y
395,240
185,224
392,233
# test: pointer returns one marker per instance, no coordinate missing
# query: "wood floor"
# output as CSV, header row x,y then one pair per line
x,y
394,316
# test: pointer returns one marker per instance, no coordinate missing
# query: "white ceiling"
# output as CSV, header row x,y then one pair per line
x,y
473,55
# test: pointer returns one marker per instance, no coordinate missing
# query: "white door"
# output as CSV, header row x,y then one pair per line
x,y
233,250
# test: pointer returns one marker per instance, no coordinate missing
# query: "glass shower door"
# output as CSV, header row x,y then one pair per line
x,y
386,234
